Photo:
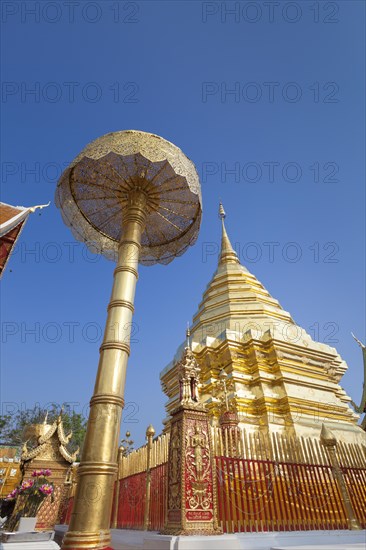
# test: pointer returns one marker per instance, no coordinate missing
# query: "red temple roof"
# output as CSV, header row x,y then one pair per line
x,y
12,220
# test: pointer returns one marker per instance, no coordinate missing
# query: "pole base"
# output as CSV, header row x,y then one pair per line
x,y
79,540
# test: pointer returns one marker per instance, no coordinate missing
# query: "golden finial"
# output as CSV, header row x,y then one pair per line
x,y
327,437
188,334
228,254
150,431
126,445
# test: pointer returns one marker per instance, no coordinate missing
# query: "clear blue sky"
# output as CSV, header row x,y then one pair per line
x,y
292,133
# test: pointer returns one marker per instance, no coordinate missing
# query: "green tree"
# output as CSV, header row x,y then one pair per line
x,y
12,427
75,423
5,422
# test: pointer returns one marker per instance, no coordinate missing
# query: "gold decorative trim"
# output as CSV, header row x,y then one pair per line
x,y
110,398
121,268
121,303
115,345
87,468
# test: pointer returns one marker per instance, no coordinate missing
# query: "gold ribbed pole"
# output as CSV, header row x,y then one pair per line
x,y
150,432
90,520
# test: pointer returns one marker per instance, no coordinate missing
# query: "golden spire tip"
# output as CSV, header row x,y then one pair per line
x,y
228,254
188,334
222,213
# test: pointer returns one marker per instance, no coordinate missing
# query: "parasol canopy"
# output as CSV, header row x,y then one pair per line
x,y
93,193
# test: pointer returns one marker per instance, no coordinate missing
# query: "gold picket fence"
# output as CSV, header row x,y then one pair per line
x,y
135,462
264,482
281,483
239,443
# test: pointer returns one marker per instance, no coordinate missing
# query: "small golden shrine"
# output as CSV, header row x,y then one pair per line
x,y
48,450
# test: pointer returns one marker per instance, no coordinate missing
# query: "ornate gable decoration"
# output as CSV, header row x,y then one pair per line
x,y
50,444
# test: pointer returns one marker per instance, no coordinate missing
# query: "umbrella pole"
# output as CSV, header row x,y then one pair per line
x,y
91,516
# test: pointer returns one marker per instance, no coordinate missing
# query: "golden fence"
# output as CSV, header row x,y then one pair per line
x,y
278,482
135,462
264,482
238,443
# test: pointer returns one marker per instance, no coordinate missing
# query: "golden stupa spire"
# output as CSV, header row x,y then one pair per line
x,y
228,254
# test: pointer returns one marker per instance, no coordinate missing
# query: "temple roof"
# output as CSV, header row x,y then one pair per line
x,y
51,438
12,220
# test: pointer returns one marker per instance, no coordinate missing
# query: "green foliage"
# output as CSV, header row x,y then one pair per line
x,y
12,427
4,427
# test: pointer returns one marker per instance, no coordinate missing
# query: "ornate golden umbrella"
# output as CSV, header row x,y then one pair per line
x,y
133,197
